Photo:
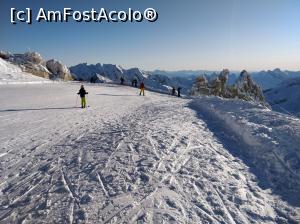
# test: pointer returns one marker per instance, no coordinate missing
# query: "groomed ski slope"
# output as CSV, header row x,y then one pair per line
x,y
153,159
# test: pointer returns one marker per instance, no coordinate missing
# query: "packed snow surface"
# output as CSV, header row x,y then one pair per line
x,y
154,159
13,74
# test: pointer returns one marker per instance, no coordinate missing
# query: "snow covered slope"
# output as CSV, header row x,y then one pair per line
x,y
266,141
285,97
11,74
153,159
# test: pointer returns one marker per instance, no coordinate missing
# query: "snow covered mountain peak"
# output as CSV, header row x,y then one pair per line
x,y
277,70
113,73
271,78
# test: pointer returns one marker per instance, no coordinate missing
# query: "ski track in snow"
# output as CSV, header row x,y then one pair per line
x,y
152,161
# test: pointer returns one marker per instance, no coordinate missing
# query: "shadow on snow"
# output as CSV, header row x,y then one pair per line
x,y
104,94
38,109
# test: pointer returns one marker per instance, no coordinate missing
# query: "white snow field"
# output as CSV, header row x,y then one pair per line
x,y
13,74
134,159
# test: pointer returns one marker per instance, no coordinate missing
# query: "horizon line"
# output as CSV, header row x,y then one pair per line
x,y
164,70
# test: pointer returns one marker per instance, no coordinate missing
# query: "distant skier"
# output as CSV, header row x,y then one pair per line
x,y
142,88
135,83
122,80
173,91
82,94
178,91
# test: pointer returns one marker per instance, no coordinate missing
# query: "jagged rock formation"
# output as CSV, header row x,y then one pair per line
x,y
58,70
247,89
200,86
33,57
12,74
244,88
4,55
33,62
217,85
223,77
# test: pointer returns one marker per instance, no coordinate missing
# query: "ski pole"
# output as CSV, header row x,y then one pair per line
x,y
87,100
76,101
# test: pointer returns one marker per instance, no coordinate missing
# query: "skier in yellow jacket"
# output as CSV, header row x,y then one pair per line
x,y
82,94
142,88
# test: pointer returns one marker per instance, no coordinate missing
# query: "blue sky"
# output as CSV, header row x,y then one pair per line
x,y
192,34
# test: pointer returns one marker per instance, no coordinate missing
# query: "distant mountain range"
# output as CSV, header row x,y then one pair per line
x,y
285,97
109,73
270,79
281,88
182,73
266,79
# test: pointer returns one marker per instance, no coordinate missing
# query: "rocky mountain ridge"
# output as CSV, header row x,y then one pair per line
x,y
33,62
244,88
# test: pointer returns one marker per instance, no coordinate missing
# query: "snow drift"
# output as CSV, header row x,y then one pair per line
x,y
267,141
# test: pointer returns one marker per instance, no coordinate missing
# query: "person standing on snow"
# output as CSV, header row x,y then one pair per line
x,y
135,82
178,91
173,91
82,94
122,80
142,88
